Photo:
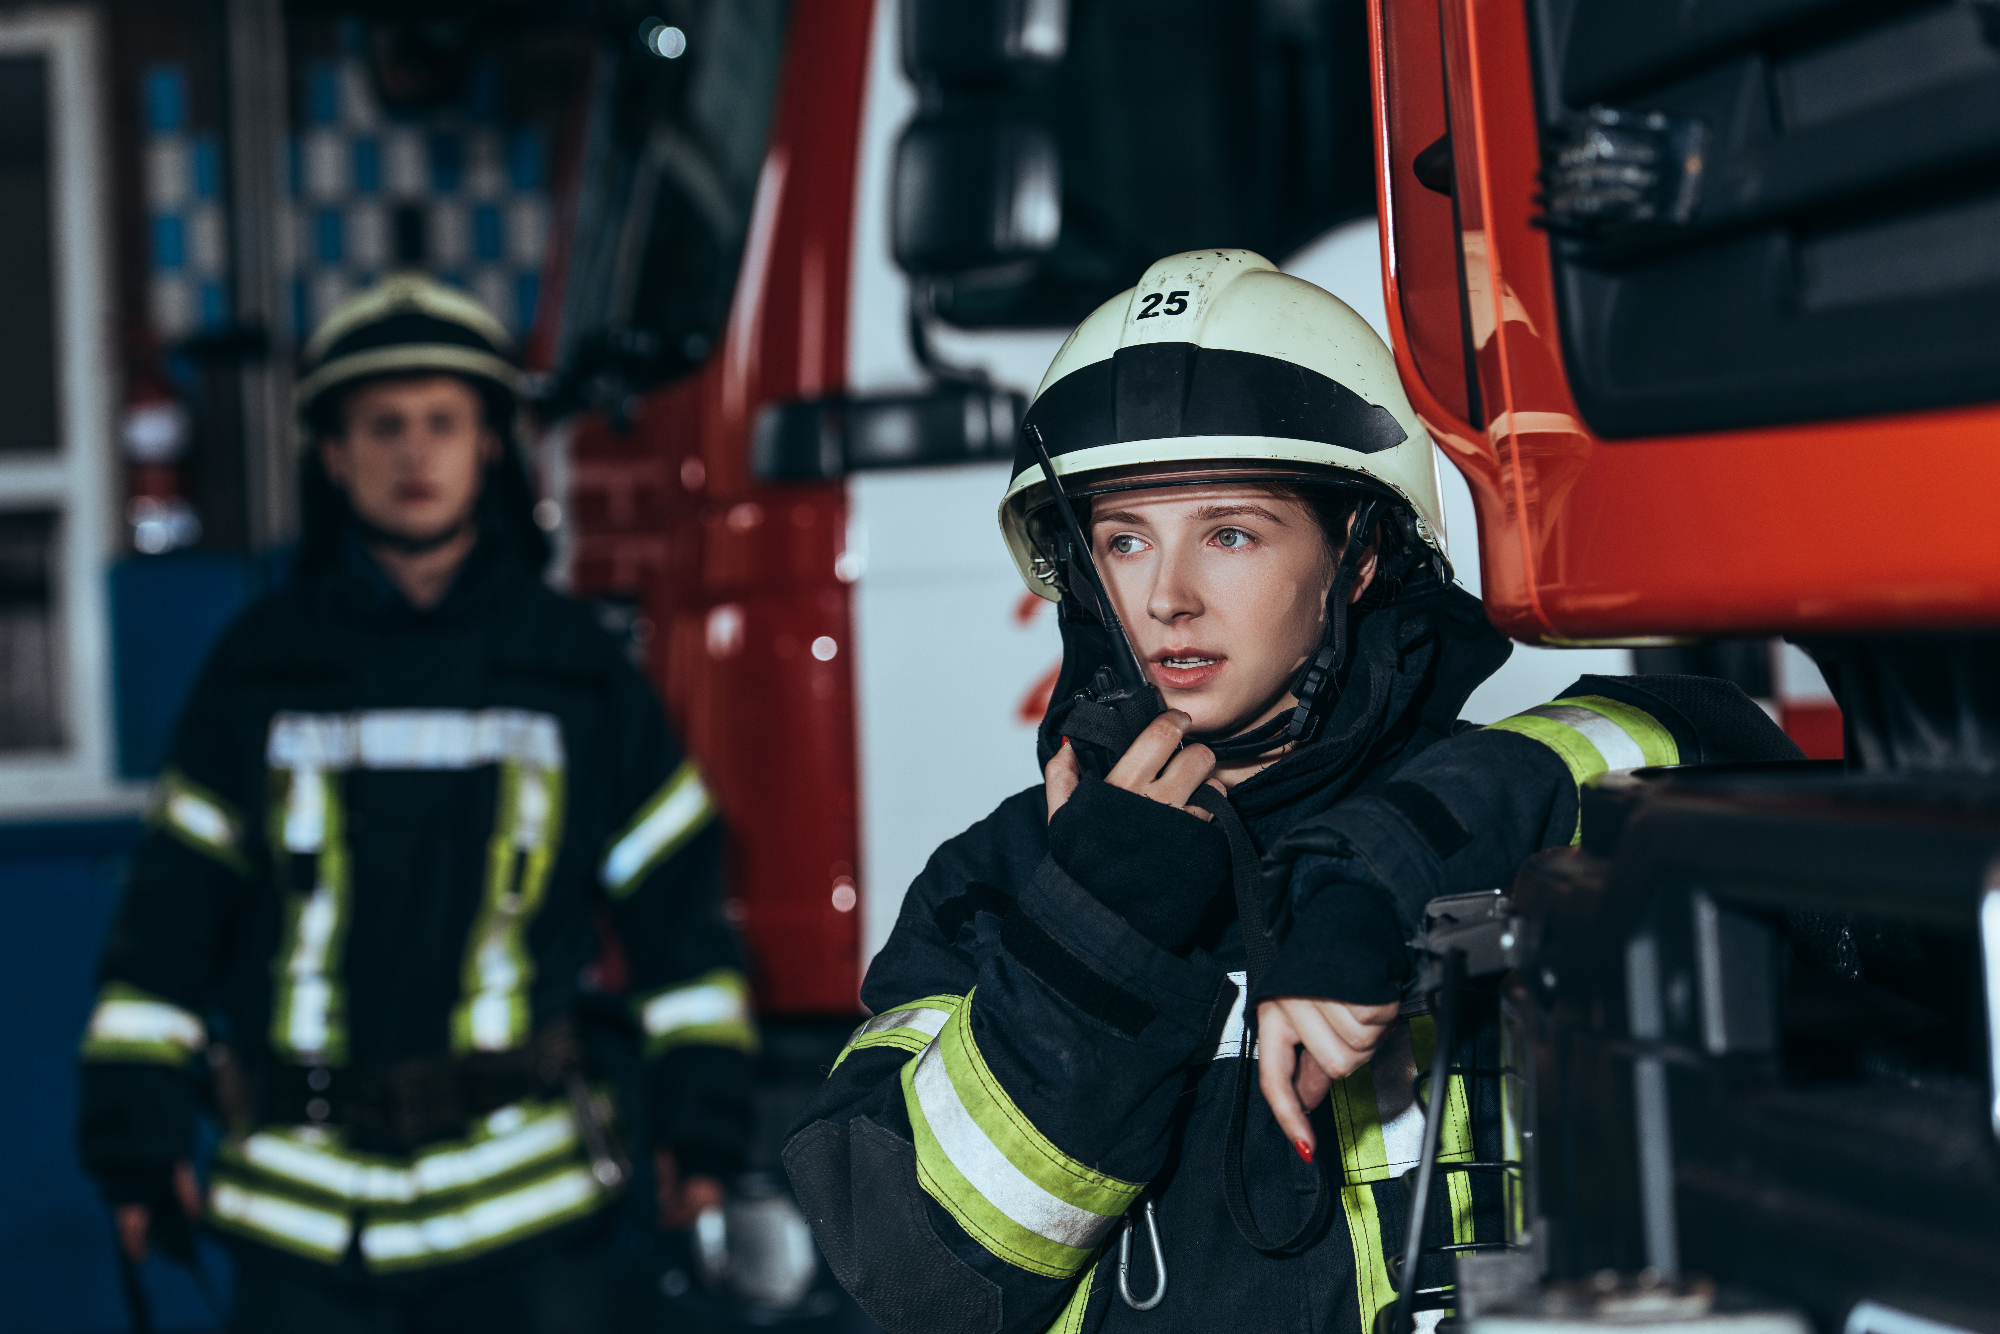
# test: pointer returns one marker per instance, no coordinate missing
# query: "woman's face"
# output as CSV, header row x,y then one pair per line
x,y
1223,592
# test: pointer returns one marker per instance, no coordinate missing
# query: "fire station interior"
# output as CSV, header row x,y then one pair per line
x,y
1695,301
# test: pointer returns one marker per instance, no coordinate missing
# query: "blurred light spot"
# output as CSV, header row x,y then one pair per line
x,y
845,895
824,648
693,474
666,42
725,631
744,517
548,515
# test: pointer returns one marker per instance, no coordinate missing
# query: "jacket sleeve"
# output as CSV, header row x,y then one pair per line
x,y
1465,813
187,885
662,873
980,1138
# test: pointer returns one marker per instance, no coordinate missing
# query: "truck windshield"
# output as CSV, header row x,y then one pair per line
x,y
676,146
1183,124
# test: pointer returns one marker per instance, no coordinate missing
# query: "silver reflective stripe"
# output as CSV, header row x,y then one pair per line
x,y
1617,747
519,1139
488,1221
1230,1045
982,1163
676,812
1397,1110
687,1007
308,1029
146,1021
200,817
301,1226
920,1017
414,739
305,811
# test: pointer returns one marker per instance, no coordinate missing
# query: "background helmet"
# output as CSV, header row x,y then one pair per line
x,y
406,324
1217,367
409,324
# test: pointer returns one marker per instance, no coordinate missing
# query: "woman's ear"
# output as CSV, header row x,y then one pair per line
x,y
1365,575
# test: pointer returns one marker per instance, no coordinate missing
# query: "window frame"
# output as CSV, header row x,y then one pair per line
x,y
78,480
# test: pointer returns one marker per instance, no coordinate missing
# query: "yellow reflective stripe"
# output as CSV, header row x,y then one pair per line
x,y
907,1027
133,1025
492,1014
309,999
1592,734
389,1245
316,1162
671,816
275,1220
1373,1288
712,1010
1379,1124
200,819
1007,1184
1071,1319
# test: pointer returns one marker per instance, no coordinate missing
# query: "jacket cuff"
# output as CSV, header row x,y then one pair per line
x,y
1158,868
1347,945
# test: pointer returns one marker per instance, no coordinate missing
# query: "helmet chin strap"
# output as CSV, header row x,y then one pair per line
x,y
404,544
1316,687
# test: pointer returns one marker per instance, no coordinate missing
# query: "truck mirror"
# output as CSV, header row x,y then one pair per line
x,y
981,41
821,439
974,192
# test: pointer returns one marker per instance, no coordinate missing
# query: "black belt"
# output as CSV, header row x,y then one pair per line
x,y
398,1107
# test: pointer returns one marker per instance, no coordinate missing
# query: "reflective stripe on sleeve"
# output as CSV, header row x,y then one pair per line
x,y
907,1027
670,817
459,1234
713,1010
317,1234
200,819
132,1025
1593,735
980,1157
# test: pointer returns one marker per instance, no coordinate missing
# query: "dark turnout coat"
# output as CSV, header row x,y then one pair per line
x,y
382,855
1057,1013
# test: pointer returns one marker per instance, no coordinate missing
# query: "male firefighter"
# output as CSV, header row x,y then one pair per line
x,y
1050,1123
407,793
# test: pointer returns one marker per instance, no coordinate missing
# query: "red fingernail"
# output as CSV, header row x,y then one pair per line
x,y
1305,1150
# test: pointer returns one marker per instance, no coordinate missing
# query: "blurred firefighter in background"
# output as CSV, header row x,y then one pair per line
x,y
404,796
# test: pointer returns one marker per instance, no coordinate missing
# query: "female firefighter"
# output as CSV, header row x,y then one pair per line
x,y
1047,1124
405,793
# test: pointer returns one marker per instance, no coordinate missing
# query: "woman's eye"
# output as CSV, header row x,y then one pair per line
x,y
1125,544
1233,537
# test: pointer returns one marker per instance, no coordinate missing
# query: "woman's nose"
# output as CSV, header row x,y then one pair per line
x,y
1173,596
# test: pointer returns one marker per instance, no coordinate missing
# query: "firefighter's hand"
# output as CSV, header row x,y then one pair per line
x,y
1153,766
681,1198
1338,1038
134,1221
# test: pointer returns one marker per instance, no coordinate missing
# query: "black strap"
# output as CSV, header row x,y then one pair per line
x,y
1260,951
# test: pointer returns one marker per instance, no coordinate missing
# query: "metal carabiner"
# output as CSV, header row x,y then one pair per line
x,y
1125,1263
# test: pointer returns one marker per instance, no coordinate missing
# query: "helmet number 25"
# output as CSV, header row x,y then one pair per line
x,y
1150,307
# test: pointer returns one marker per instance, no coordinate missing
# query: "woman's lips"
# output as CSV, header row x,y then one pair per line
x,y
1185,669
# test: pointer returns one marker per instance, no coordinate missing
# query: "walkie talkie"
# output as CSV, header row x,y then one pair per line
x,y
1119,700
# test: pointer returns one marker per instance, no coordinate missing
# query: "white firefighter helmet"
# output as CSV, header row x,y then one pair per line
x,y
1217,367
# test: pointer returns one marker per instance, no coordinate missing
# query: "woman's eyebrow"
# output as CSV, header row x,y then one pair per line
x,y
1115,516
1207,512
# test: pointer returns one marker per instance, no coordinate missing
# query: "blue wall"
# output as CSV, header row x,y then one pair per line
x,y
59,885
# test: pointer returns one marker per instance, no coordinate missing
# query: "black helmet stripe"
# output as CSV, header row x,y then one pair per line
x,y
1155,391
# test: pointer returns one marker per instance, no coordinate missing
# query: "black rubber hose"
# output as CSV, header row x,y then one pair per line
x,y
1445,1004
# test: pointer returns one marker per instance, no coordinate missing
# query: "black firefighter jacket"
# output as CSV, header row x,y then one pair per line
x,y
387,838
1058,1012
